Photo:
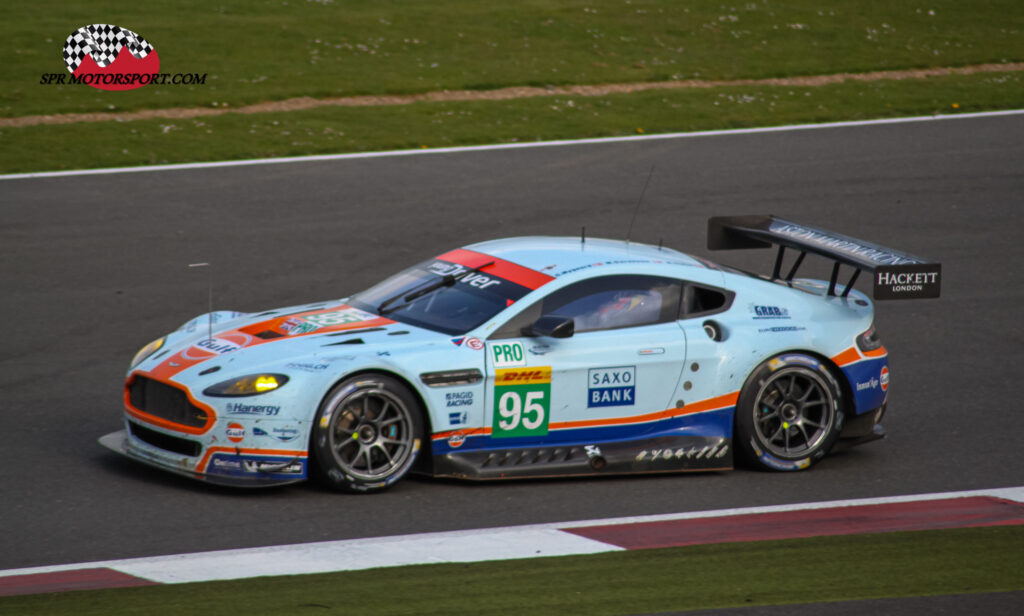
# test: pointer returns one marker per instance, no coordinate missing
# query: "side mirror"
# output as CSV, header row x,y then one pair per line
x,y
552,326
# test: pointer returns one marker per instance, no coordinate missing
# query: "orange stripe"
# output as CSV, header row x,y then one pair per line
x,y
710,404
879,352
439,436
263,452
697,407
178,362
848,356
853,355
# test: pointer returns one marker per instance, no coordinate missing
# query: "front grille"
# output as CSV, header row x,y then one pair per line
x,y
165,441
165,402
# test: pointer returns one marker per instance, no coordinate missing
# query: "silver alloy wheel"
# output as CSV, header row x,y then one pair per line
x,y
793,412
371,434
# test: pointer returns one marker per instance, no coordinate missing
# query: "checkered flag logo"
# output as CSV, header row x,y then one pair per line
x,y
102,42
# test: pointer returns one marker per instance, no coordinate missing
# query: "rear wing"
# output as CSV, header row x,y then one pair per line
x,y
897,275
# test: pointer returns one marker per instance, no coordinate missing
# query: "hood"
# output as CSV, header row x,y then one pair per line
x,y
288,334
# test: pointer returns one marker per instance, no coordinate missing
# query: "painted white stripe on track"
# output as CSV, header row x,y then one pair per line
x,y
463,546
505,146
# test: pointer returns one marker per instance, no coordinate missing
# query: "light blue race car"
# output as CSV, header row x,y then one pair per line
x,y
533,357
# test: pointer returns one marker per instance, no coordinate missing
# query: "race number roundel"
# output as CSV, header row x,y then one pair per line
x,y
522,402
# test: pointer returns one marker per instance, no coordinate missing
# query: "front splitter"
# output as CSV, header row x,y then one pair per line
x,y
118,443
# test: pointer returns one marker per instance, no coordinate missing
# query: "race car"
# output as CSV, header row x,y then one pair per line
x,y
533,357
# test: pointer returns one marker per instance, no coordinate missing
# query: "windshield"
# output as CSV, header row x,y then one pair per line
x,y
441,295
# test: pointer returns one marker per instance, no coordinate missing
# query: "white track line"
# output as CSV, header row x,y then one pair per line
x,y
463,546
504,146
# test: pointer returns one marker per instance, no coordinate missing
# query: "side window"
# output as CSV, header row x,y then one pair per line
x,y
698,300
609,302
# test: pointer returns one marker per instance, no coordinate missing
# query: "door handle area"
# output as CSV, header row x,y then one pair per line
x,y
652,351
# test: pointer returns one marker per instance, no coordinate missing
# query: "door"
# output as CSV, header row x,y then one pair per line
x,y
623,361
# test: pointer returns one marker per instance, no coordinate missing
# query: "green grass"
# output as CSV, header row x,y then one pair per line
x,y
701,577
346,129
258,50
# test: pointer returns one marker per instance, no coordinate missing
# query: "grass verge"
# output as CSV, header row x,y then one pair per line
x,y
847,568
443,124
264,50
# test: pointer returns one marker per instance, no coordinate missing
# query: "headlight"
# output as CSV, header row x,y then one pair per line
x,y
252,385
146,351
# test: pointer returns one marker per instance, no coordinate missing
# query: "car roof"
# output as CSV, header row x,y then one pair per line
x,y
557,256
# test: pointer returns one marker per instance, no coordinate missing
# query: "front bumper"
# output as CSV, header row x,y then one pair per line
x,y
231,468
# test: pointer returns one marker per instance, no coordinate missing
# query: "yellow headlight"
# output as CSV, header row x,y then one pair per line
x,y
265,382
147,350
251,385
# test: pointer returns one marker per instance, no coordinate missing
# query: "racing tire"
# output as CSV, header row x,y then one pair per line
x,y
789,414
367,434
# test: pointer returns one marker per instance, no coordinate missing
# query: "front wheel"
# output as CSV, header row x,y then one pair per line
x,y
367,434
789,413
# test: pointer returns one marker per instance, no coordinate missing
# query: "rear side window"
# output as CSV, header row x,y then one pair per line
x,y
609,302
699,300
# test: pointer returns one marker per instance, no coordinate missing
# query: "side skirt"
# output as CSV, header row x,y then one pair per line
x,y
656,455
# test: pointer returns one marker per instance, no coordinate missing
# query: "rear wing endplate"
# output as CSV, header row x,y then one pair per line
x,y
897,275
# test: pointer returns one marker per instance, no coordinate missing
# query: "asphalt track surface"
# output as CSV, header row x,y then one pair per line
x,y
93,267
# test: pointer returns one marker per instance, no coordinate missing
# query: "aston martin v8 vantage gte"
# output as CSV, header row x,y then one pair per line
x,y
533,357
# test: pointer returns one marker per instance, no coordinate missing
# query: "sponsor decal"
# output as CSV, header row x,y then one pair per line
x,y
458,418
286,434
476,279
871,383
235,432
615,386
217,346
257,465
522,402
707,452
226,464
456,440
458,341
921,281
474,343
458,398
508,354
883,378
238,408
768,312
205,348
319,366
781,329
841,244
339,317
615,262
283,434
295,326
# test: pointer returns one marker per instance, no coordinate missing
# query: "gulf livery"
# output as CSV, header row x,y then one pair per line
x,y
533,357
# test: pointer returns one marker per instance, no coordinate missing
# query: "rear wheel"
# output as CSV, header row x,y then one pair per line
x,y
789,413
367,435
